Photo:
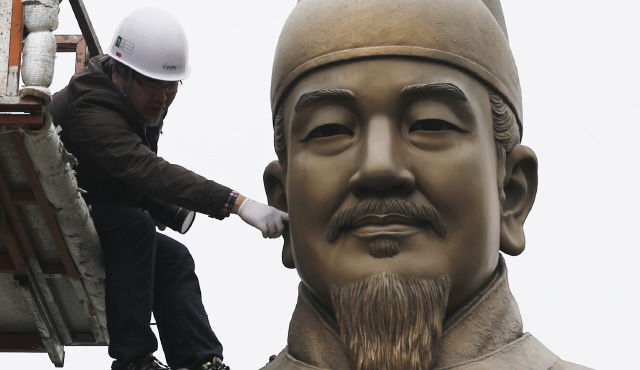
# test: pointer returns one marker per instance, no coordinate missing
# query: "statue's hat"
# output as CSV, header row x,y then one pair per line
x,y
469,34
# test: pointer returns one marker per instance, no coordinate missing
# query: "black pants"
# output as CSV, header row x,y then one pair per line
x,y
149,272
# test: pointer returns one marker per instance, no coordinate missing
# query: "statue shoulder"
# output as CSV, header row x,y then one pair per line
x,y
564,365
284,361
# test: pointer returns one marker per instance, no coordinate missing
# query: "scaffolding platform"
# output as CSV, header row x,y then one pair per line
x,y
51,271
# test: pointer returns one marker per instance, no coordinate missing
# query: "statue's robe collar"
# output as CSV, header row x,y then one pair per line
x,y
486,333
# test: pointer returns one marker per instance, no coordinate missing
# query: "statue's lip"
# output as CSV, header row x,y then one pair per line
x,y
385,226
391,231
385,220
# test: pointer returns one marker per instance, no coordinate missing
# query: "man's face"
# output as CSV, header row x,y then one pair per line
x,y
377,129
151,98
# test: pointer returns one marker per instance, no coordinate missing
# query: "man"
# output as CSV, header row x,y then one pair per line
x,y
111,115
397,128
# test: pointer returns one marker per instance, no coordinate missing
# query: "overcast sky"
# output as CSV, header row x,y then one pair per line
x,y
576,281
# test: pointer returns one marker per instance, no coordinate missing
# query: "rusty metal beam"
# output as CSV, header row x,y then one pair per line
x,y
54,271
15,44
6,264
67,43
82,55
24,198
17,222
48,333
28,104
74,43
43,202
22,121
8,234
21,342
15,47
86,27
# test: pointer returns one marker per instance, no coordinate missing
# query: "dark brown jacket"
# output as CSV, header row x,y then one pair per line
x,y
102,130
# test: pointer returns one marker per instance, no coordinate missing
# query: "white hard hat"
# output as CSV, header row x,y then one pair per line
x,y
153,43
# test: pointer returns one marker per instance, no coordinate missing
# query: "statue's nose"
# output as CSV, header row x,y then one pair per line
x,y
381,160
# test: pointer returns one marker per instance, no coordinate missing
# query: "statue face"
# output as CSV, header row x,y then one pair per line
x,y
383,128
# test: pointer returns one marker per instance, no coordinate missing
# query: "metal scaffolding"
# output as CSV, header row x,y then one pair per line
x,y
51,275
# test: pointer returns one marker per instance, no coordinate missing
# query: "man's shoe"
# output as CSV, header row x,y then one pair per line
x,y
216,364
147,363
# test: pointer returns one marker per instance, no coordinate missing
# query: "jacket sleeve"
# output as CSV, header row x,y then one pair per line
x,y
103,134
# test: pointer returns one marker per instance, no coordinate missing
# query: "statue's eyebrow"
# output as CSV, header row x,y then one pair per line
x,y
438,88
316,95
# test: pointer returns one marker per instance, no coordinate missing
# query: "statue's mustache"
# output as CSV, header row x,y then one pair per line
x,y
419,212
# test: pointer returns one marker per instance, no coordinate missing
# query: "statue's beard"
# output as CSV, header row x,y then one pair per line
x,y
389,322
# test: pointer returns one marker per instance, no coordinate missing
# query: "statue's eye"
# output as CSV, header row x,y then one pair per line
x,y
328,130
433,125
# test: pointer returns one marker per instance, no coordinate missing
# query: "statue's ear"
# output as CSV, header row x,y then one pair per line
x,y
274,179
518,194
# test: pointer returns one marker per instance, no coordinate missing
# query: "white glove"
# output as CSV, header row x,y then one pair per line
x,y
263,217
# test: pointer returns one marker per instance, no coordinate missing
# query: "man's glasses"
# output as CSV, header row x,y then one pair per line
x,y
170,87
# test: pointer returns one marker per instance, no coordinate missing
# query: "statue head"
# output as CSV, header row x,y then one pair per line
x,y
397,127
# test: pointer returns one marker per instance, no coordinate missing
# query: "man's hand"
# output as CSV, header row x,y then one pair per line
x,y
263,217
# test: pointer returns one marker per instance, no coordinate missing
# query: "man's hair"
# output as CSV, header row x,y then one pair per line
x,y
122,69
506,132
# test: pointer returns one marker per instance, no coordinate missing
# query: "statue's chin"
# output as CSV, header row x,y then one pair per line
x,y
383,316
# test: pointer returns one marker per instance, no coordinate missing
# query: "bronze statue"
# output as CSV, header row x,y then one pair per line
x,y
397,128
